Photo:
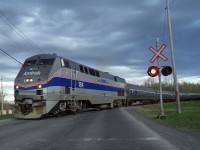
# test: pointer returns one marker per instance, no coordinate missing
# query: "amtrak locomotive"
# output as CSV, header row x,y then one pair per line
x,y
50,84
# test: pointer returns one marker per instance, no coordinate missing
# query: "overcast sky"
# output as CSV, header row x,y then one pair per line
x,y
109,35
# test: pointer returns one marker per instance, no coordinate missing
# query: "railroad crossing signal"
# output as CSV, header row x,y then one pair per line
x,y
158,53
167,70
153,71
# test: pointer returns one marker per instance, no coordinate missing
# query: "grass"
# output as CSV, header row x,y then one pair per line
x,y
2,117
188,120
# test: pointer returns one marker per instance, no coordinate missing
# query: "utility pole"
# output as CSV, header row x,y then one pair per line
x,y
173,60
2,97
161,115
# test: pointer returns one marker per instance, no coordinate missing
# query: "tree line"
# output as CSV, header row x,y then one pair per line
x,y
168,85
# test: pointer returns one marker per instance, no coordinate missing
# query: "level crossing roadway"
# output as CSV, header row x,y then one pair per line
x,y
112,129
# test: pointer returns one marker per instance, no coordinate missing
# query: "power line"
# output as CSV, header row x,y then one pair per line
x,y
11,57
12,41
13,27
7,21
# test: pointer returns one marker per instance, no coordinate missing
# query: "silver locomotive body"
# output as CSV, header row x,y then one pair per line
x,y
49,84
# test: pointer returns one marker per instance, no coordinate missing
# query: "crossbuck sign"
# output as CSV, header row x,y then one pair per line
x,y
158,53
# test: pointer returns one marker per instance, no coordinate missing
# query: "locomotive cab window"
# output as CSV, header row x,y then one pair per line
x,y
81,68
66,64
97,73
45,62
92,72
30,62
86,70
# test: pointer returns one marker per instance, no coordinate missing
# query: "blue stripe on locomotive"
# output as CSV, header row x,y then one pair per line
x,y
57,81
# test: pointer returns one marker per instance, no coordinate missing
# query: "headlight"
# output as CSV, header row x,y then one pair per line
x,y
28,80
39,86
17,87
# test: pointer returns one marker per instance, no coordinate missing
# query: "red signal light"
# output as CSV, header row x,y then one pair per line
x,y
167,70
153,71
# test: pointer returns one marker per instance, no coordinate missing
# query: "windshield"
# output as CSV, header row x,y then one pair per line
x,y
30,63
45,62
39,62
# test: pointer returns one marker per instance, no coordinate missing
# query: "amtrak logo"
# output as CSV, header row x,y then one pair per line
x,y
32,73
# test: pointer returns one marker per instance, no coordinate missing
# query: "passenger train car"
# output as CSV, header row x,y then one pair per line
x,y
144,95
140,95
50,84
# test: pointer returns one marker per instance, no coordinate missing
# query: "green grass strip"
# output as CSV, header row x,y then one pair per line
x,y
6,117
189,119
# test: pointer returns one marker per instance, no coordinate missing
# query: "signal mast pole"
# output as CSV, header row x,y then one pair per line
x,y
161,115
173,60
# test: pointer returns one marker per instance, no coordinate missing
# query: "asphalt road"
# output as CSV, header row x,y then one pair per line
x,y
114,129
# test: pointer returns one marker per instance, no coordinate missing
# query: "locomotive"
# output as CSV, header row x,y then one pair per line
x,y
48,84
